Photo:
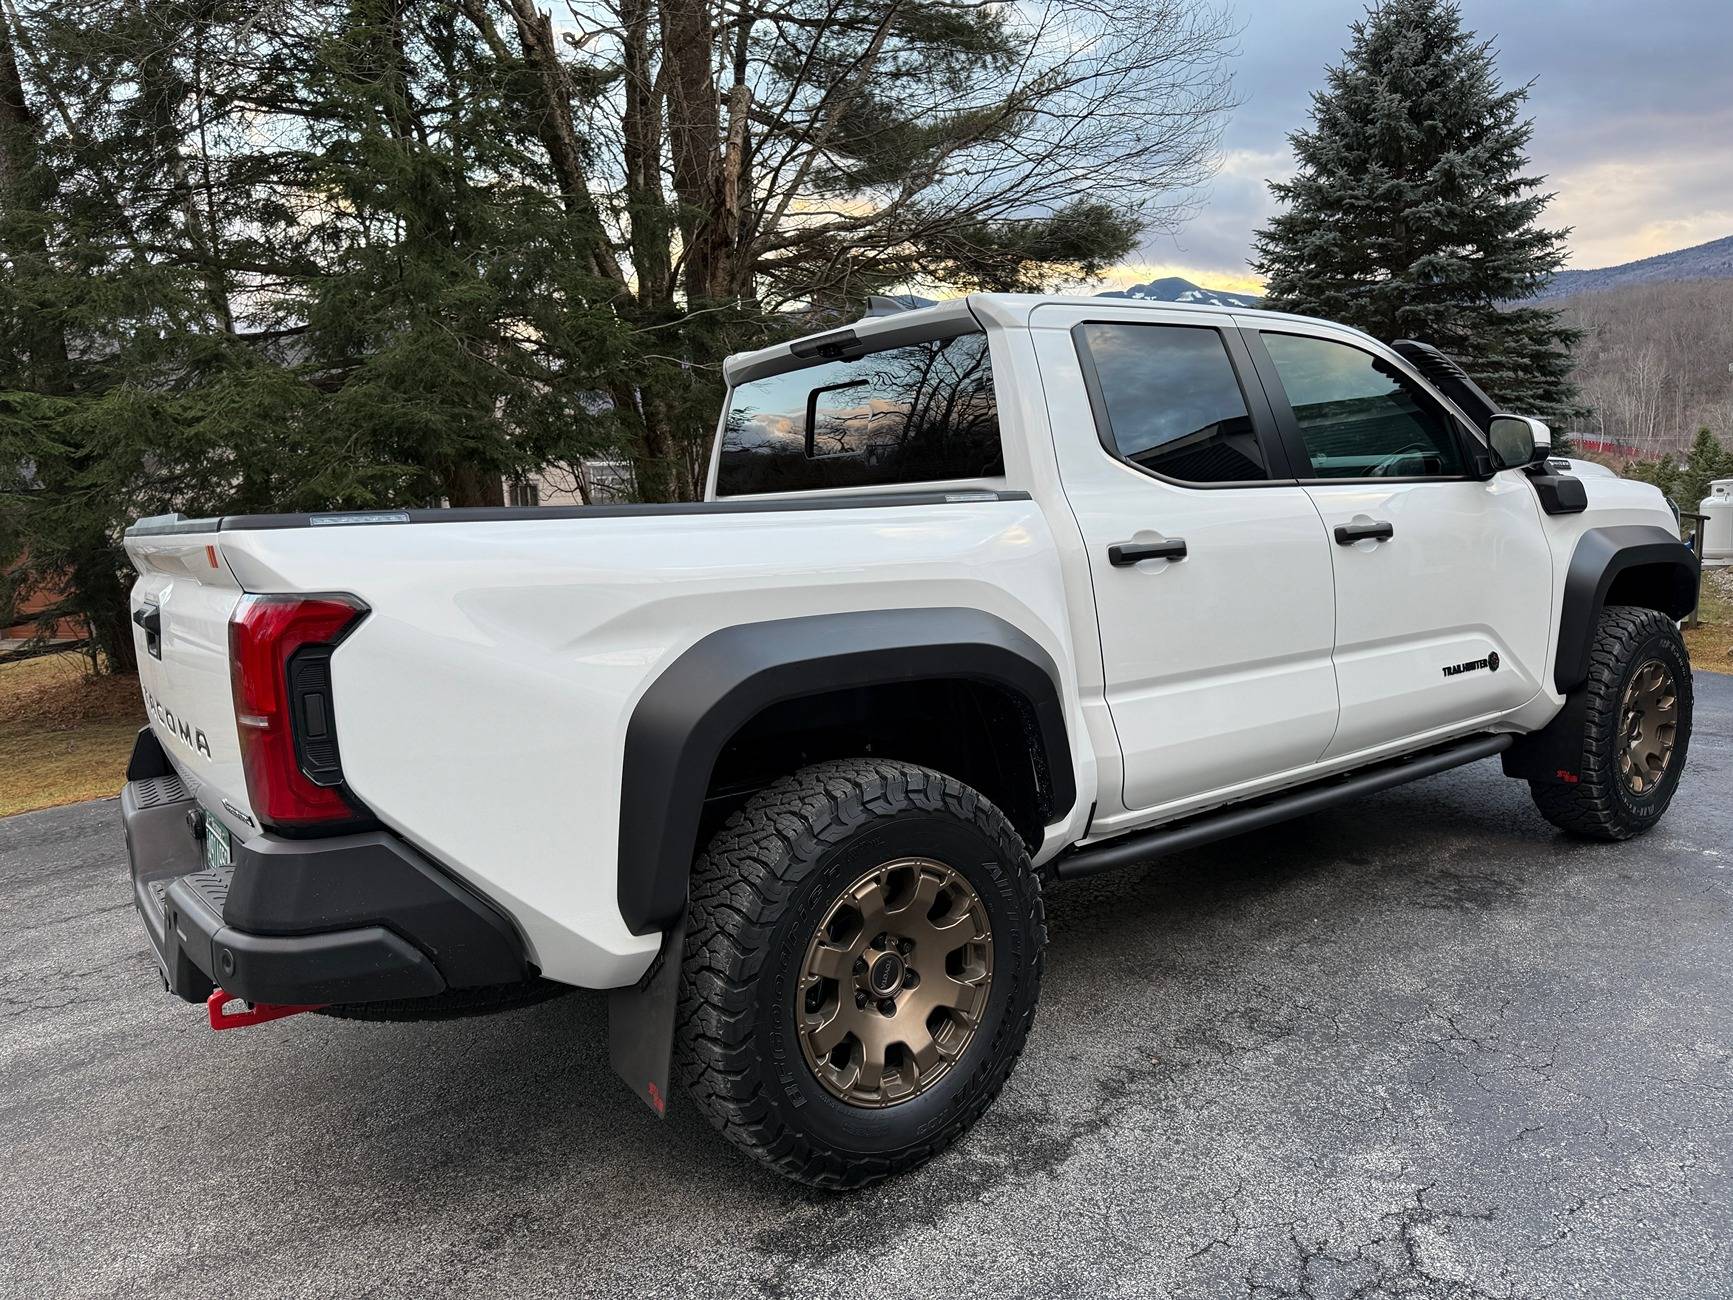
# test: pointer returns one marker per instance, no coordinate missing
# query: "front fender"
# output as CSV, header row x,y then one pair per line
x,y
1638,564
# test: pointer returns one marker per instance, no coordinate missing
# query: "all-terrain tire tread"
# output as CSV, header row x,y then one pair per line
x,y
1589,807
740,887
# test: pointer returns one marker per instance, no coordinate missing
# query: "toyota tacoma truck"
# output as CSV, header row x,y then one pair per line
x,y
980,596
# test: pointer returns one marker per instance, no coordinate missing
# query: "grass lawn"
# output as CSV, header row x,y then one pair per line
x,y
64,736
1711,642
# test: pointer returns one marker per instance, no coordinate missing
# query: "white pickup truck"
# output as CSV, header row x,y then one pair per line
x,y
1005,590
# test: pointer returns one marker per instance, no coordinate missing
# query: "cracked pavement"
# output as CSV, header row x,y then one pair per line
x,y
1417,1046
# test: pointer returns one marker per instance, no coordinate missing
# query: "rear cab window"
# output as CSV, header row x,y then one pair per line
x,y
921,412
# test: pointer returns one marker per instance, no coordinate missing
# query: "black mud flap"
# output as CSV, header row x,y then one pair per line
x,y
1554,754
641,1023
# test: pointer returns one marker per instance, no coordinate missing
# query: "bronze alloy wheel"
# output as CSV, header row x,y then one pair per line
x,y
843,1035
895,982
1648,722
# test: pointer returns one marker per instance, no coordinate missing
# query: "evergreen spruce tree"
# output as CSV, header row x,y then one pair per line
x,y
1412,214
354,253
1707,461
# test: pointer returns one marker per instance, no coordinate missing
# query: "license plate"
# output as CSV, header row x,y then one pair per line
x,y
217,846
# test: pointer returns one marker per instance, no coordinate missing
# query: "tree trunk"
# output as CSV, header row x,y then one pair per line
x,y
553,125
694,128
659,469
641,139
104,593
471,485
26,187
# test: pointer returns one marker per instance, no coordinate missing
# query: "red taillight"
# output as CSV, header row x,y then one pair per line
x,y
266,633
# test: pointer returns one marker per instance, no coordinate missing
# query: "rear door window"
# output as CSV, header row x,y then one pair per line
x,y
921,413
1172,402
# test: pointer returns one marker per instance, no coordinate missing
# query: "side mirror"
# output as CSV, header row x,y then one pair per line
x,y
1518,440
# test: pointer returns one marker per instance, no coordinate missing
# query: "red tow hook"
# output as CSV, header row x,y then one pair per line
x,y
257,1013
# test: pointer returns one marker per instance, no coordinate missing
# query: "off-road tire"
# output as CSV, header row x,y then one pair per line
x,y
758,893
1600,805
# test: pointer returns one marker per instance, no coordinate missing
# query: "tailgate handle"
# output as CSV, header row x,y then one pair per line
x,y
149,617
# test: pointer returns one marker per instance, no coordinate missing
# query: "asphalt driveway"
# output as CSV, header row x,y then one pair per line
x,y
1418,1046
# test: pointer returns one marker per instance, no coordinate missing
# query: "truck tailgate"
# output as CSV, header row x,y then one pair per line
x,y
181,604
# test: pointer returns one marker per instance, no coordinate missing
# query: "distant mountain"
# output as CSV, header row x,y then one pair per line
x,y
1711,261
1173,288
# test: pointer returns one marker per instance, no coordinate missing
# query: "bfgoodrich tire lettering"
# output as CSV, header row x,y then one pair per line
x,y
767,880
1603,803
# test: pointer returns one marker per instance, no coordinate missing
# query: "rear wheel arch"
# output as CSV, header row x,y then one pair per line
x,y
1639,565
732,679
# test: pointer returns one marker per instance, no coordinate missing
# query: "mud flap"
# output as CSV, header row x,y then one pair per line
x,y
1554,754
641,1023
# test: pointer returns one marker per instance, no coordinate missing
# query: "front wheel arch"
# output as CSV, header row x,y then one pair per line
x,y
1640,565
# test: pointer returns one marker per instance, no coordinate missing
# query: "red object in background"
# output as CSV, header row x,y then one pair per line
x,y
31,602
1605,446
264,632
257,1013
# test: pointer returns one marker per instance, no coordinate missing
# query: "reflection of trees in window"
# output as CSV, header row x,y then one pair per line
x,y
908,414
1358,414
1174,404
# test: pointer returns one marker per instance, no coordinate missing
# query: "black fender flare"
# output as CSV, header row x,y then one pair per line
x,y
682,722
1601,555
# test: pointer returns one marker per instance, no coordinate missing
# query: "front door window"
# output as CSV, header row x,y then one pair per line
x,y
1358,415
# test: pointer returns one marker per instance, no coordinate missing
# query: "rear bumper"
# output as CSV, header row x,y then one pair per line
x,y
352,918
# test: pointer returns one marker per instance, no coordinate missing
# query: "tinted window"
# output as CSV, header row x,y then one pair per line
x,y
906,415
1173,403
1359,416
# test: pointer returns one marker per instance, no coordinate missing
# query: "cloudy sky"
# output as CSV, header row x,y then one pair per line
x,y
1633,109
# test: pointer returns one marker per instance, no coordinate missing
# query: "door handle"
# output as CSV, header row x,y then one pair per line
x,y
1379,530
1121,554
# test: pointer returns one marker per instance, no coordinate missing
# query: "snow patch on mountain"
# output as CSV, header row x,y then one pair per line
x,y
1174,288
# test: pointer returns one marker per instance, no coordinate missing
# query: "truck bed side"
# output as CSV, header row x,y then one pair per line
x,y
482,704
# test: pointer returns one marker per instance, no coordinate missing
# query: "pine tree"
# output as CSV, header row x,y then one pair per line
x,y
349,253
1412,214
1707,461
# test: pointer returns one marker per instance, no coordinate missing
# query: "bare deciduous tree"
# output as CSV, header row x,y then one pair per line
x,y
809,152
1654,362
751,159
